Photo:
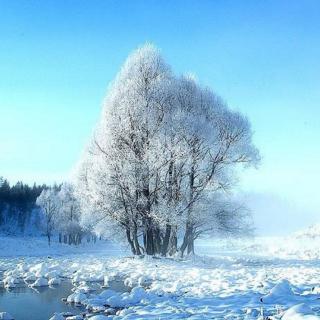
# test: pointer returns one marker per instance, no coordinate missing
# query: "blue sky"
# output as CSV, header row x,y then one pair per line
x,y
57,58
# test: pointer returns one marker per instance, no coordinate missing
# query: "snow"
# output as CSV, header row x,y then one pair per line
x,y
76,297
279,293
57,316
77,317
38,246
299,312
54,282
5,316
40,282
309,233
10,282
251,279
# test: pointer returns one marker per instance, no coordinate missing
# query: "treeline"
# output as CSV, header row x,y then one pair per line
x,y
23,210
17,205
61,213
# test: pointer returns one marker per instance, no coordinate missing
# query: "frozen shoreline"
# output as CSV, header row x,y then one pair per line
x,y
241,281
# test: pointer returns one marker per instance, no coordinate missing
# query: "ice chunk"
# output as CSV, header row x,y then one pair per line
x,y
52,274
6,316
76,297
299,312
281,291
108,278
29,276
106,294
54,281
40,282
10,282
57,316
144,281
39,269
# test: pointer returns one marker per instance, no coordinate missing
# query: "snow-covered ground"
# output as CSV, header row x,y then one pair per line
x,y
264,278
37,246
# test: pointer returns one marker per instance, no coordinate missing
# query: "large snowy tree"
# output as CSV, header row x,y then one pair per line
x,y
163,147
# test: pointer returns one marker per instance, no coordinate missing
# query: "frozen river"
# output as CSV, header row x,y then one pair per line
x,y
278,279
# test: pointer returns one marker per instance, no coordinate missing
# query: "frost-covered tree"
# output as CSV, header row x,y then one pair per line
x,y
217,140
218,215
68,215
49,202
123,185
162,147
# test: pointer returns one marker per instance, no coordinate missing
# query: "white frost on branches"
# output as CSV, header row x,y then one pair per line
x,y
162,156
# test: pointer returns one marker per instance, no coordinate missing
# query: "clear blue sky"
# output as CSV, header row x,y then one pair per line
x,y
262,57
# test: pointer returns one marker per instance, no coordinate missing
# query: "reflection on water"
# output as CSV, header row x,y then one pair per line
x,y
25,303
37,304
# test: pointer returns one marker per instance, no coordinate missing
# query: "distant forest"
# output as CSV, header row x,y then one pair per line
x,y
18,210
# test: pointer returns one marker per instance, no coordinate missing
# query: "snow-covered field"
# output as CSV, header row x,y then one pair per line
x,y
38,246
265,278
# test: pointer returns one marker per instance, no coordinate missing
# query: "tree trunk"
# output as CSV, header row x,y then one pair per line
x,y
136,241
191,245
149,241
173,241
157,240
166,240
189,233
79,238
184,243
128,234
187,239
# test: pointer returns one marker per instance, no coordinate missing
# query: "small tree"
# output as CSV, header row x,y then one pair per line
x,y
49,203
68,216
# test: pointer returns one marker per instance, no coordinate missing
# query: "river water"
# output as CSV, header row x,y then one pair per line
x,y
25,303
37,304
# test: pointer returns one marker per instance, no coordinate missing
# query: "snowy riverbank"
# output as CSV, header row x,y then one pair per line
x,y
249,279
38,246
